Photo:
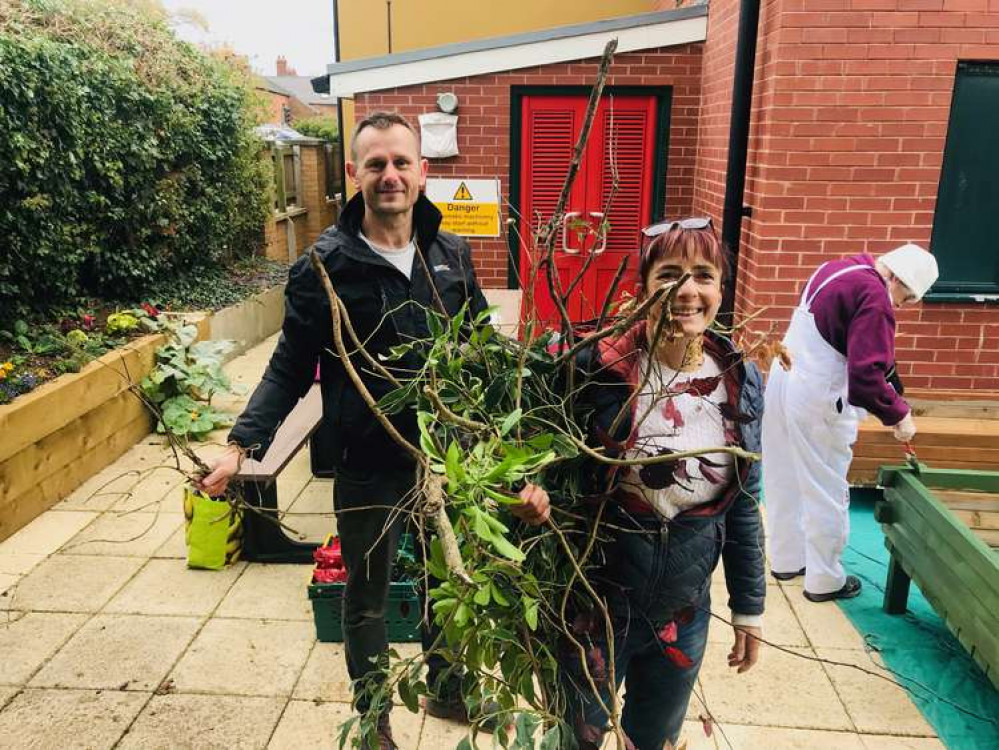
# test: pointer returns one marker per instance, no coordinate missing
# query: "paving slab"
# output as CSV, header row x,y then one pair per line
x,y
245,657
693,732
169,587
19,564
7,582
105,488
749,698
71,583
127,534
157,491
877,706
780,625
28,639
316,725
442,734
325,675
824,623
68,719
175,547
7,692
311,513
883,742
742,737
123,652
205,722
273,592
47,533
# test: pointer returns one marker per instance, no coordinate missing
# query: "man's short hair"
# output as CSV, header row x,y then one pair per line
x,y
380,121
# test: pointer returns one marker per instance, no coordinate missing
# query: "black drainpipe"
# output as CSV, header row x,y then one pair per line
x,y
738,143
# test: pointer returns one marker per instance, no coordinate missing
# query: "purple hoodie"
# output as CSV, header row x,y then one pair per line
x,y
854,315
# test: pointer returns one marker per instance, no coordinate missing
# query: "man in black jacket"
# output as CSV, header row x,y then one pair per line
x,y
389,262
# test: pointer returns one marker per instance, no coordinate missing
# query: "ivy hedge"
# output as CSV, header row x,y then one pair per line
x,y
126,156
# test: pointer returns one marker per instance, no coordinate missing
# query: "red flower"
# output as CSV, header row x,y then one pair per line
x,y
88,322
679,658
668,633
151,310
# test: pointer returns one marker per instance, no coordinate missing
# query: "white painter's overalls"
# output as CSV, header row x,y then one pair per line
x,y
809,429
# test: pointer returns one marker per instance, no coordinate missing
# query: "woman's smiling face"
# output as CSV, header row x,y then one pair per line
x,y
696,303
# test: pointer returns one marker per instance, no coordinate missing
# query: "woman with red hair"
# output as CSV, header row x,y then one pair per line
x,y
670,385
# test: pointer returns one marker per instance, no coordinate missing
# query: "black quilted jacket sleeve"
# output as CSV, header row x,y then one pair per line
x,y
742,555
292,367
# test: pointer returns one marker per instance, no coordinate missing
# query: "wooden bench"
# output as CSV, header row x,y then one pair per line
x,y
263,539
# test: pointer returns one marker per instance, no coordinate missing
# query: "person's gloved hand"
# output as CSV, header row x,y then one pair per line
x,y
905,430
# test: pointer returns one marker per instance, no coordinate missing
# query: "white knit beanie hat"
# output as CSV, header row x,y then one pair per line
x,y
914,267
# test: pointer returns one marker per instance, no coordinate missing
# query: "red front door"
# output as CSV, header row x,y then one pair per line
x,y
601,225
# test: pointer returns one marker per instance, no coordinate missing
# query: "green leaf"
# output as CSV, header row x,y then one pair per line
x,y
453,468
525,725
409,697
424,420
462,615
502,545
498,596
465,744
482,596
511,420
530,612
550,740
396,401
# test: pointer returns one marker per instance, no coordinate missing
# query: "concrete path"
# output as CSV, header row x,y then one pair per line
x,y
107,640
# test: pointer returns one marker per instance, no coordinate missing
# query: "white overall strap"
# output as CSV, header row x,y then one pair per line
x,y
808,284
808,300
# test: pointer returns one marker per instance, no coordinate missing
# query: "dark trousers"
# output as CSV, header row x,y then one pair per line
x,y
369,537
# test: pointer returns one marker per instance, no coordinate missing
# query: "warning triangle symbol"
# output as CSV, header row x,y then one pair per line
x,y
462,193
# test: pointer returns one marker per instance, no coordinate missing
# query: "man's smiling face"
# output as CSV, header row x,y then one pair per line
x,y
388,170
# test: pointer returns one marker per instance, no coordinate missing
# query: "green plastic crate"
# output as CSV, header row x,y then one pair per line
x,y
402,616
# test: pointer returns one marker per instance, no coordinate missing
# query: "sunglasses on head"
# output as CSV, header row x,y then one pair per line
x,y
699,222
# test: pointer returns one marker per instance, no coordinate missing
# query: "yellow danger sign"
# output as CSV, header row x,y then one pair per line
x,y
471,207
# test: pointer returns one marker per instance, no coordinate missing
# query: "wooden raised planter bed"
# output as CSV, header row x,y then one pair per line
x,y
66,430
942,530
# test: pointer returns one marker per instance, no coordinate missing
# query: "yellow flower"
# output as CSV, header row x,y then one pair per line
x,y
7,367
194,415
3,373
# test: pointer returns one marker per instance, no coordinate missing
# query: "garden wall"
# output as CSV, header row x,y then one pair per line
x,y
64,431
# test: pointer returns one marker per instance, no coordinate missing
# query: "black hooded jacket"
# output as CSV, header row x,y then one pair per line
x,y
385,309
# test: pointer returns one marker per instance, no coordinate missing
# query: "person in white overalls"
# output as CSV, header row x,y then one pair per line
x,y
841,347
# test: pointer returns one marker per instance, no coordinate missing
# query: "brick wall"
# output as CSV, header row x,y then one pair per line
x,y
318,213
484,125
851,107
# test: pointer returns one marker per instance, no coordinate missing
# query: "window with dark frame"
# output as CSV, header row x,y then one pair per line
x,y
965,237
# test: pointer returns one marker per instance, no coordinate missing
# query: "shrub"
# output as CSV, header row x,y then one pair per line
x,y
126,156
318,127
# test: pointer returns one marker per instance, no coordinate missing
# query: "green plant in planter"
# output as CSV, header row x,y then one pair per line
x,y
121,322
38,343
188,373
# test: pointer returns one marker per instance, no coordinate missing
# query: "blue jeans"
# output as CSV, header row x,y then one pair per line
x,y
657,690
